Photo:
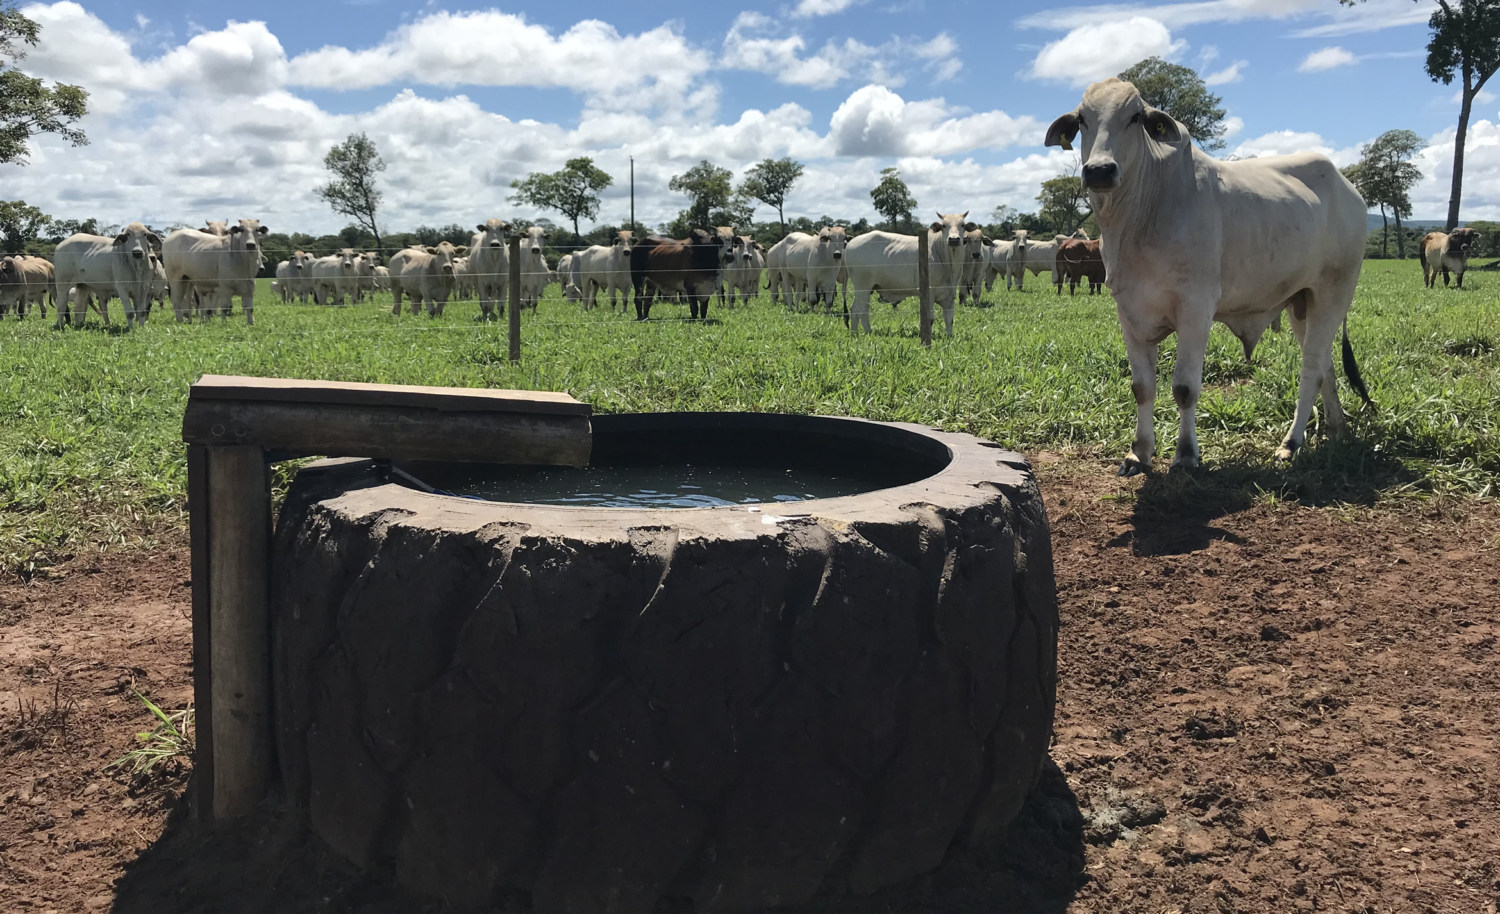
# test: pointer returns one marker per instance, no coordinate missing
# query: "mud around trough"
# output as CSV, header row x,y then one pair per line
x,y
1261,707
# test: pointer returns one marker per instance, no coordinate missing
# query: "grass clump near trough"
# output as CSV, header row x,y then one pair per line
x,y
90,419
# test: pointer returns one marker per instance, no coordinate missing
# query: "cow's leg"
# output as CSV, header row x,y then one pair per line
x,y
948,317
860,314
1142,356
1315,332
1187,385
1460,279
1445,276
247,301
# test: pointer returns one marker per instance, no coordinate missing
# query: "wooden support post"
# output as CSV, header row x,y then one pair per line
x,y
924,286
233,426
230,515
515,299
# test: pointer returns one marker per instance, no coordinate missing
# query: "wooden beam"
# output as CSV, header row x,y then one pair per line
x,y
294,390
203,744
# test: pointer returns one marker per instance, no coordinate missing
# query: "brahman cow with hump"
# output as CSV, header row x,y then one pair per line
x,y
100,266
887,263
25,280
425,274
215,268
1441,253
607,267
489,262
690,266
1188,240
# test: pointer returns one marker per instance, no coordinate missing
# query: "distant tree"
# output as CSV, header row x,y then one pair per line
x,y
452,233
20,224
29,107
1064,203
1181,92
572,191
707,187
352,192
738,212
62,228
893,200
1385,175
770,182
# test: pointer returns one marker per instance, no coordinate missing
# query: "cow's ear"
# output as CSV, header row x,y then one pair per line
x,y
970,226
154,238
935,227
120,238
1160,126
482,227
461,249
1063,131
430,249
263,230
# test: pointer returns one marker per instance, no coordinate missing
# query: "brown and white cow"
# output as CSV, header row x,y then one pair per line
x,y
1078,261
1189,239
1442,253
690,266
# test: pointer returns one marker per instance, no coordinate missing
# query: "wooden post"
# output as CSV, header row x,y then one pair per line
x,y
924,286
233,426
515,299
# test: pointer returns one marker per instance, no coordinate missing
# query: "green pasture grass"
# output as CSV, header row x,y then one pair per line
x,y
90,418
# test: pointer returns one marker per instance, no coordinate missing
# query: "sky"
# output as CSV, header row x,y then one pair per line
x,y
205,110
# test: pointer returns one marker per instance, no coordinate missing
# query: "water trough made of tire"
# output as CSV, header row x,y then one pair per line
x,y
738,705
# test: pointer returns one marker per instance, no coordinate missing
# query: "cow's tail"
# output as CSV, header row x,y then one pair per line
x,y
1351,370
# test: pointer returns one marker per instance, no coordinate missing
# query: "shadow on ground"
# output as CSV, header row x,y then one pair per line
x,y
269,862
1175,512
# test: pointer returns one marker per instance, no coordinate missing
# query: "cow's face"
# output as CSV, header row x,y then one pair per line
x,y
245,235
950,228
833,240
625,239
1460,240
136,240
1120,133
493,233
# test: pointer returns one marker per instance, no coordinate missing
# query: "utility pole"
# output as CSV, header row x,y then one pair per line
x,y
632,192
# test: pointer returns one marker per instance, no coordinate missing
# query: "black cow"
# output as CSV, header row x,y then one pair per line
x,y
690,266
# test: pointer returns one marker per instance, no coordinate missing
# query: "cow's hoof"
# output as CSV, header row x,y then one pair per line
x,y
1132,467
1180,467
1286,451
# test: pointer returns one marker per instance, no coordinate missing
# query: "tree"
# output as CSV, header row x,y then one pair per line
x,y
1385,175
707,187
1465,45
573,191
1180,92
352,192
1064,203
29,107
20,225
770,182
893,200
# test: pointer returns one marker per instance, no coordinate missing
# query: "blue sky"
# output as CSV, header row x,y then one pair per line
x,y
206,110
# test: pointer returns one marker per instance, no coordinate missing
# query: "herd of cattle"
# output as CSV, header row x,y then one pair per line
x,y
200,271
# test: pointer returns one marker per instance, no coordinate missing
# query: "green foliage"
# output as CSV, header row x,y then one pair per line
x,y
171,736
21,224
354,164
769,182
28,106
91,420
893,200
573,190
1385,175
1064,203
707,187
1181,92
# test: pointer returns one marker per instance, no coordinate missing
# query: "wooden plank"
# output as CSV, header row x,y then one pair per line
x,y
203,706
239,539
291,390
400,432
924,286
514,314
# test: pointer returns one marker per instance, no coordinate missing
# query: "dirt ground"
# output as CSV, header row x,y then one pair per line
x,y
1262,707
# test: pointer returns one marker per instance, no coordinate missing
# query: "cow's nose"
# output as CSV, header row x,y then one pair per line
x,y
137,254
494,244
954,242
249,245
1103,176
838,255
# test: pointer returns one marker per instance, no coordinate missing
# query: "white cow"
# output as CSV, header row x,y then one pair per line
x,y
426,274
816,265
568,275
606,267
744,276
887,263
364,275
93,264
971,284
778,278
996,257
1188,239
333,277
534,270
489,261
289,277
1026,253
382,279
215,268
463,280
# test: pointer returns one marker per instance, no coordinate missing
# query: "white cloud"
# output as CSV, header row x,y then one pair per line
x,y
1234,125
1286,142
1326,59
809,8
1371,16
1231,74
1092,52
755,43
874,121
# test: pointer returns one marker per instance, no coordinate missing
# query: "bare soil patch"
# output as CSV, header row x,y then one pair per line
x,y
1262,707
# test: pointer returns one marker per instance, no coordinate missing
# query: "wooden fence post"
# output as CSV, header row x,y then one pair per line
x,y
924,286
515,299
